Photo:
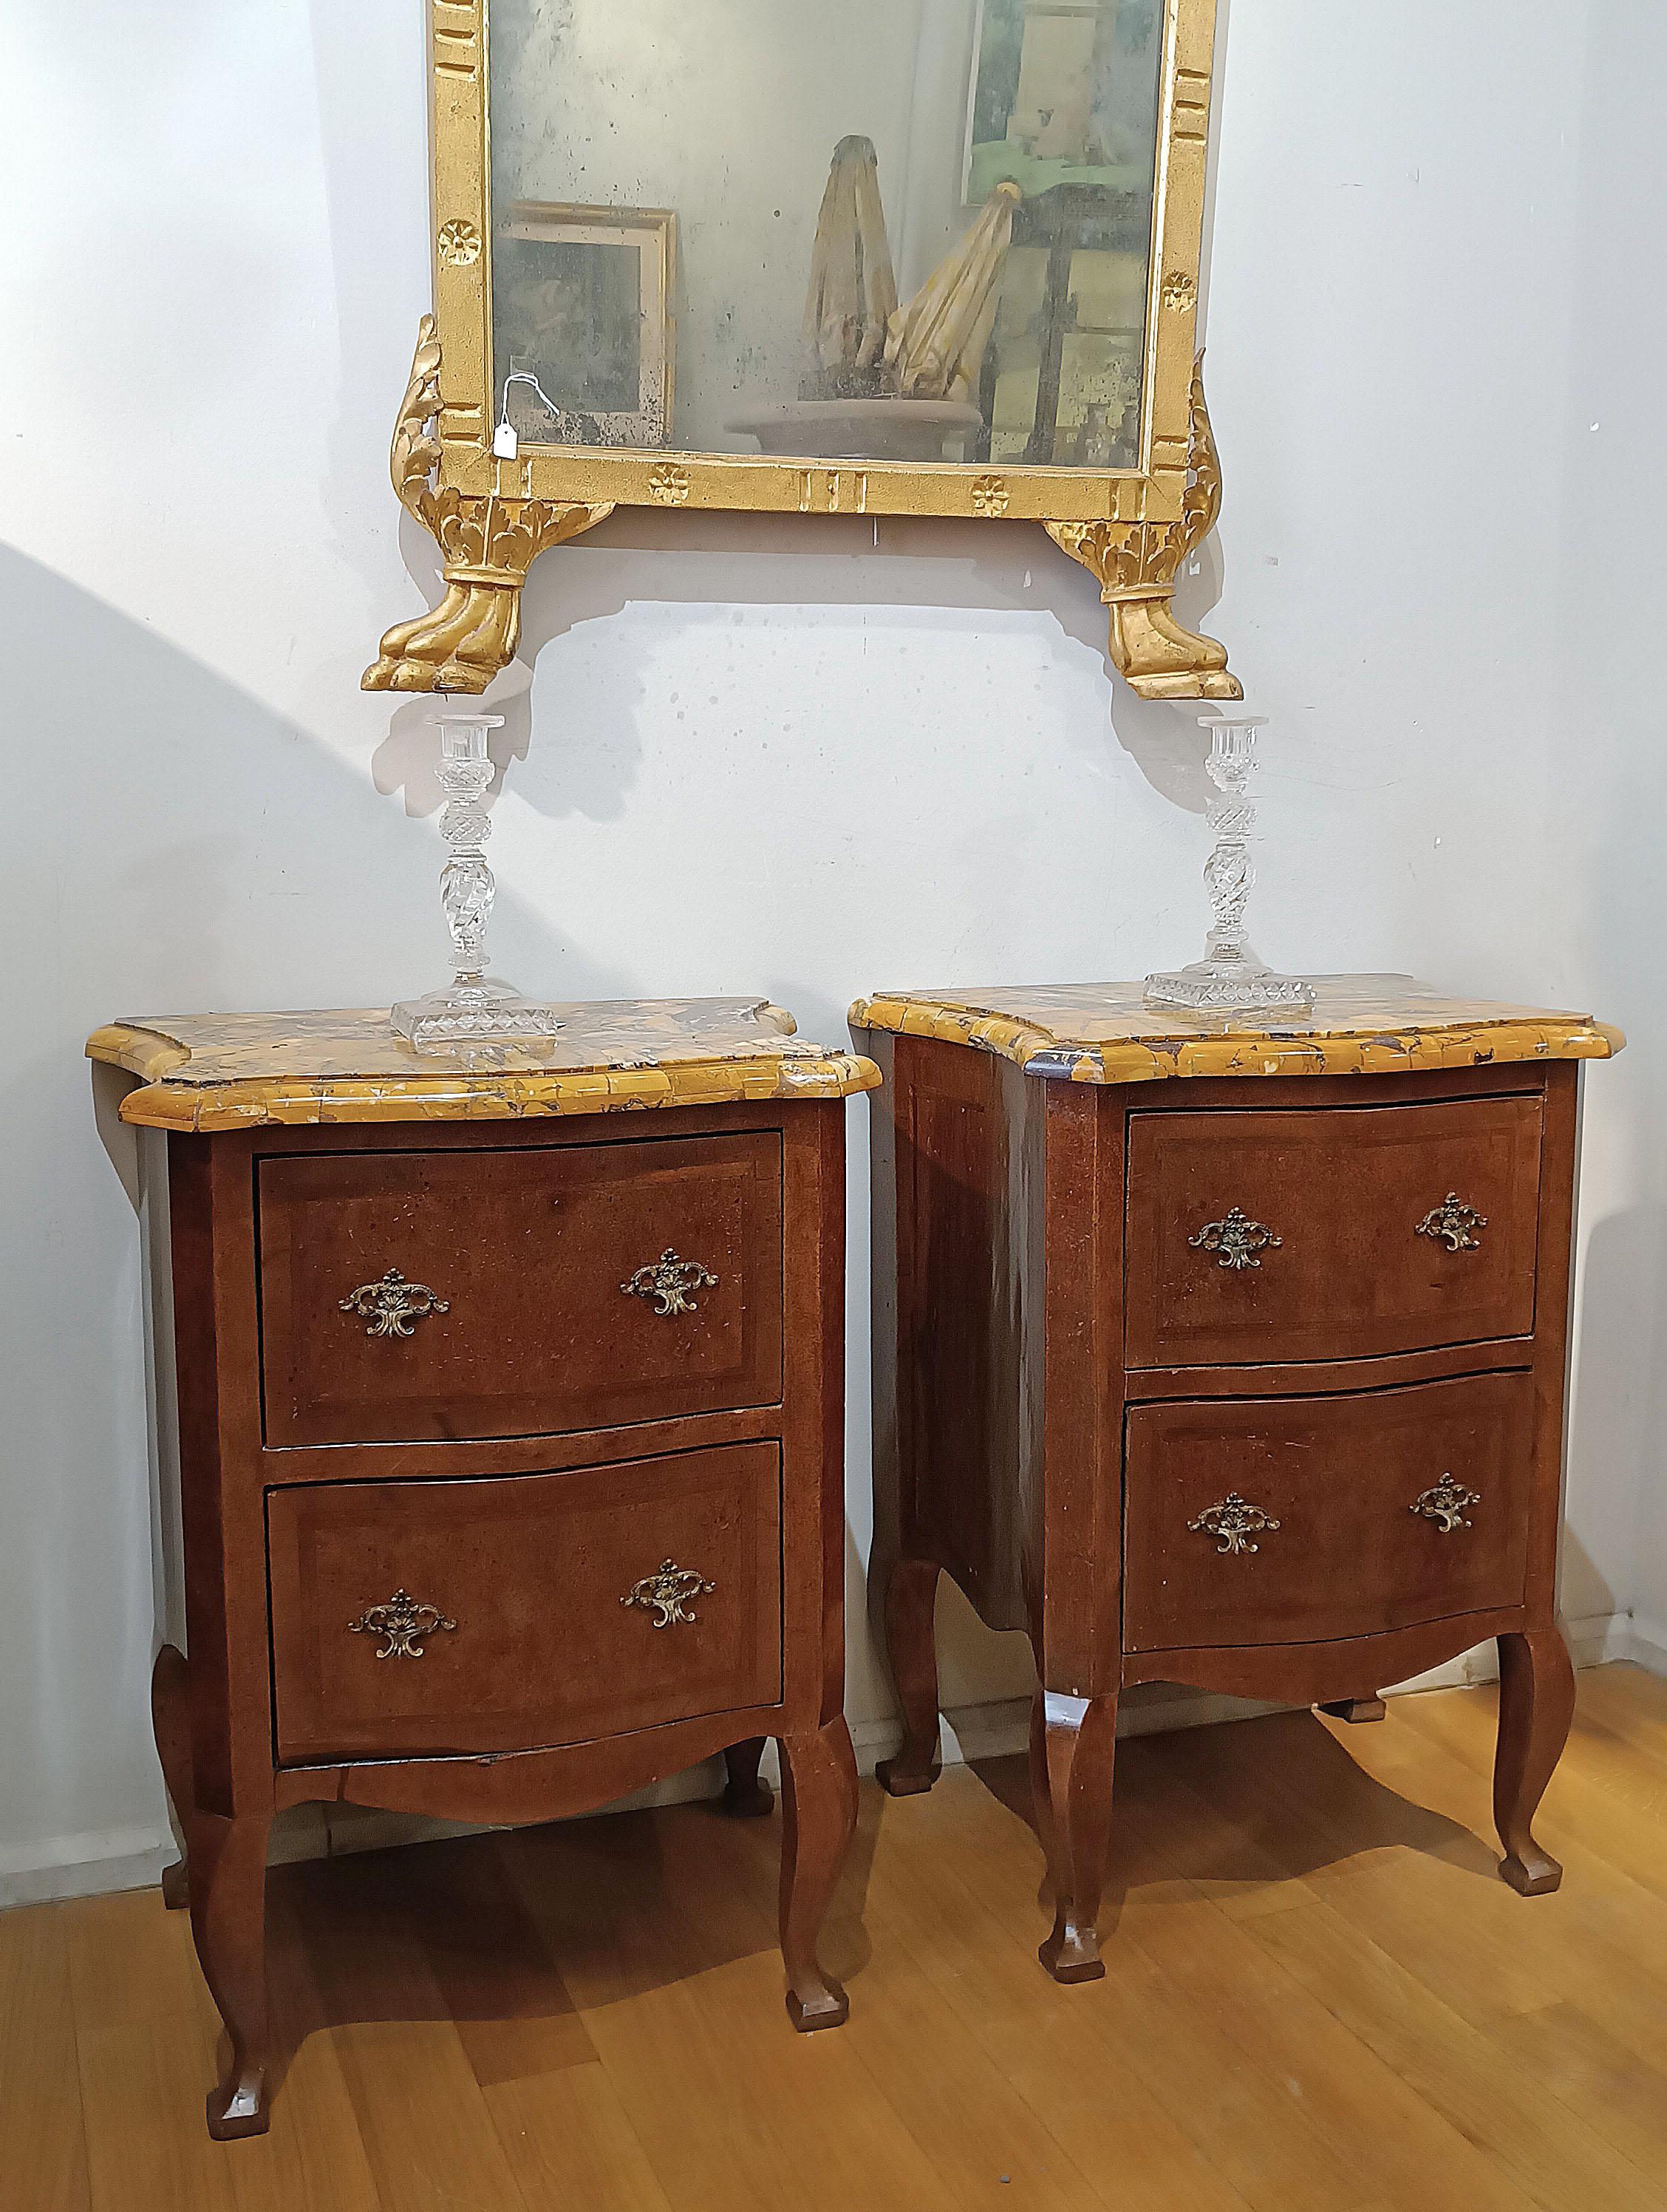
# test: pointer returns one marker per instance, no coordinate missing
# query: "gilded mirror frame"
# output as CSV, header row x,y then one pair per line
x,y
492,516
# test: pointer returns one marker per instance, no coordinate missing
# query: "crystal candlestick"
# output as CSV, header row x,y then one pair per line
x,y
475,1008
1230,979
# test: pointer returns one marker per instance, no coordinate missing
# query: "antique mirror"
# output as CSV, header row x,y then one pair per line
x,y
879,257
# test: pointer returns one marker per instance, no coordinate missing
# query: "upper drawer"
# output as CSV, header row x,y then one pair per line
x,y
1256,1238
533,1292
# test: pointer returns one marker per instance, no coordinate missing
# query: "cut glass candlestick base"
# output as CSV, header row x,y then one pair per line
x,y
1230,987
473,1010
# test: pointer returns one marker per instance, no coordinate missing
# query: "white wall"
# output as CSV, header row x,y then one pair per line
x,y
756,757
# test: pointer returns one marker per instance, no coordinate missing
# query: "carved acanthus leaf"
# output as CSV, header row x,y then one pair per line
x,y
416,454
1136,565
487,542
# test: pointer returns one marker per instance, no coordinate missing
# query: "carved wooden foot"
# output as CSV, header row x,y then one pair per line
x,y
1536,1707
1073,1742
745,1797
910,1647
170,1721
1355,1710
819,1817
228,1921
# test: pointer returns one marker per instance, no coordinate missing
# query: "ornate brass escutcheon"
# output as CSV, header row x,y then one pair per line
x,y
403,1622
1234,1521
390,1307
1238,1239
670,1282
1454,1222
667,1593
1444,1502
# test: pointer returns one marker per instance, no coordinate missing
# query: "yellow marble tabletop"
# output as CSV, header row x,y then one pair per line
x,y
1360,1025
239,1071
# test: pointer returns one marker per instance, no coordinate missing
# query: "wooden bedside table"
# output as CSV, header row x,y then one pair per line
x,y
510,1439
1229,1359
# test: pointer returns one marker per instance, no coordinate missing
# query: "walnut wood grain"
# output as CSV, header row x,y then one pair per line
x,y
553,1699
529,1252
532,1573
1344,1190
1051,1414
1341,1477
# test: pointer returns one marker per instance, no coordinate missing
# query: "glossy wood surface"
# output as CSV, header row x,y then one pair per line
x,y
549,1697
1344,1191
1341,1477
529,1251
1320,1998
1022,1210
533,1573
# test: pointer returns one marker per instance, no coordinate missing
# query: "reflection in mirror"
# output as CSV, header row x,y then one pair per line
x,y
910,230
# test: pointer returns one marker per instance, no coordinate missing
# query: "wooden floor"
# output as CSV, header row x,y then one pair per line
x,y
1320,1999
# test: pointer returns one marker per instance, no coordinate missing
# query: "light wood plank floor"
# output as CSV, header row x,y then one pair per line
x,y
1320,1999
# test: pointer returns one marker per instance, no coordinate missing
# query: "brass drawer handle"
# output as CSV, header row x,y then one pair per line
x,y
670,1282
1444,1502
390,1307
667,1593
1237,1239
403,1622
1234,1521
1454,1222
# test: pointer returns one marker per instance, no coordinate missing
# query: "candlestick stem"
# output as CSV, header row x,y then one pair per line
x,y
476,1008
1230,979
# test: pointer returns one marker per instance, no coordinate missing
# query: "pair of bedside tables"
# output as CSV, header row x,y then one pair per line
x,y
511,1423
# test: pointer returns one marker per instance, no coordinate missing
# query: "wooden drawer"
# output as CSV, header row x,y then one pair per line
x,y
1343,1190
1354,1483
512,1265
527,1642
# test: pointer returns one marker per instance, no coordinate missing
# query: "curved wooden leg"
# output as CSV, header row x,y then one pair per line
x,y
1073,1742
745,1797
911,1648
170,1721
819,1818
1355,1710
228,1921
1536,1707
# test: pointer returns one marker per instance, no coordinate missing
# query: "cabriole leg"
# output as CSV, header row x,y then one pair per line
x,y
1536,1708
1073,1742
745,1796
1354,1709
912,1650
819,1818
170,1719
228,1921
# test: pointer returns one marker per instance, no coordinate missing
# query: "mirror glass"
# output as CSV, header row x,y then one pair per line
x,y
906,230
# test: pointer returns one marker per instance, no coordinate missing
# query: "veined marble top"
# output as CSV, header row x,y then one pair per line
x,y
239,1071
1360,1025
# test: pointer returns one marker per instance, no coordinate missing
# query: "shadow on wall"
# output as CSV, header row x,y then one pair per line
x,y
900,566
176,844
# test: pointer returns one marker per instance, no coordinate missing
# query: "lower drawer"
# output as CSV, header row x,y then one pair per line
x,y
427,1618
1299,1520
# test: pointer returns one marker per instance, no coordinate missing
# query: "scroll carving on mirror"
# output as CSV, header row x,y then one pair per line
x,y
894,257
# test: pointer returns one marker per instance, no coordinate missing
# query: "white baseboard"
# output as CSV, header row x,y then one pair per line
x,y
133,1858
85,1865
1642,1641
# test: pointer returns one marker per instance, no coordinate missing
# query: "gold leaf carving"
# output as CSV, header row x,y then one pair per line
x,y
990,495
1135,564
459,243
1180,290
487,542
669,484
